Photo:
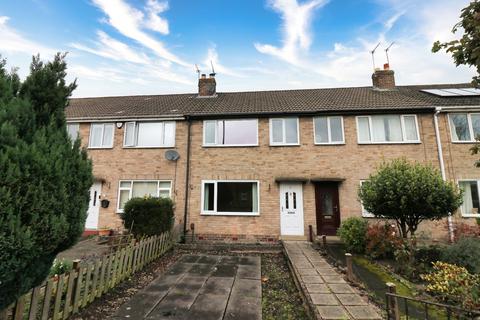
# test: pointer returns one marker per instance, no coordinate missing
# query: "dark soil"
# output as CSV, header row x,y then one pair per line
x,y
106,306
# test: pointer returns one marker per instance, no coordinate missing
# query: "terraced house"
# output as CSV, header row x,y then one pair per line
x,y
259,166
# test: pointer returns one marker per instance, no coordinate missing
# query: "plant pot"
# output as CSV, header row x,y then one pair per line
x,y
104,232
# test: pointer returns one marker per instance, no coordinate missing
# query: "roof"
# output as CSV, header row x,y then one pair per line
x,y
334,100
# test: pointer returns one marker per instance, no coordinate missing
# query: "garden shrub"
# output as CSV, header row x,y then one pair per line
x,y
60,267
424,257
465,253
352,232
454,284
382,240
148,216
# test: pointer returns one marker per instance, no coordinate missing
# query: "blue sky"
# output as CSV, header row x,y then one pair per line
x,y
125,47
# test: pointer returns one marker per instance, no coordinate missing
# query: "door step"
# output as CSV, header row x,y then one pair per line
x,y
293,238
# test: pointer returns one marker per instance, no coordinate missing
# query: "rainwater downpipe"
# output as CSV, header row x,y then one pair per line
x,y
442,168
187,179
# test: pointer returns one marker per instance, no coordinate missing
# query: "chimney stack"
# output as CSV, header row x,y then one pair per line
x,y
207,87
383,79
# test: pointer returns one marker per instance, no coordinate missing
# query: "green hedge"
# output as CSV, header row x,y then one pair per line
x,y
148,216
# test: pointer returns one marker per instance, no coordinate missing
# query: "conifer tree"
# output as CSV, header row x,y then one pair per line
x,y
44,177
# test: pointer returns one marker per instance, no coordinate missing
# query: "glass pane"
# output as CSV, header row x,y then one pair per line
x,y
363,129
387,128
277,130
234,197
96,136
208,197
123,198
336,132
470,197
294,200
410,128
209,132
125,184
108,135
321,130
165,185
144,189
169,134
149,134
459,127
476,125
129,134
327,204
240,132
164,194
286,201
291,130
72,130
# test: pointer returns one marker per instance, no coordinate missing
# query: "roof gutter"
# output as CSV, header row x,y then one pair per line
x,y
124,119
442,167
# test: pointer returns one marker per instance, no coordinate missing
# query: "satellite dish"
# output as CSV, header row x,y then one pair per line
x,y
171,155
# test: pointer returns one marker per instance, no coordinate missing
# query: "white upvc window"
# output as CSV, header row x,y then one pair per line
x,y
73,130
284,132
142,188
464,127
149,134
230,197
101,135
365,213
230,133
328,130
389,128
471,196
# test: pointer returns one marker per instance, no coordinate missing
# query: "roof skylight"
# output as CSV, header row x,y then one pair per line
x,y
454,92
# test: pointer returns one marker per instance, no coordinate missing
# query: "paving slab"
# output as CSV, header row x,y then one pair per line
x,y
325,289
202,287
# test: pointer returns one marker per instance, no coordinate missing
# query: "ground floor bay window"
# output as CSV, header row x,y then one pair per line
x,y
146,188
471,201
230,197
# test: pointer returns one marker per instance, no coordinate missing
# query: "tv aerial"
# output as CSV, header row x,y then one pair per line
x,y
386,52
197,71
213,69
373,55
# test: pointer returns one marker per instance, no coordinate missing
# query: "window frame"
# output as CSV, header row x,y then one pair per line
x,y
217,145
402,126
130,189
328,131
102,146
77,126
135,135
284,132
365,213
469,215
215,188
470,127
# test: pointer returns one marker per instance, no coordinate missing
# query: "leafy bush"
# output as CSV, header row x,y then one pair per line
x,y
44,177
409,193
465,253
60,267
148,216
454,284
352,232
382,240
424,257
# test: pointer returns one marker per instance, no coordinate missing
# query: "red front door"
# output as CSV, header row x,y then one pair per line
x,y
327,208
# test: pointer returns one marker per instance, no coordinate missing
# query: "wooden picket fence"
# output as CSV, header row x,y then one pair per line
x,y
64,295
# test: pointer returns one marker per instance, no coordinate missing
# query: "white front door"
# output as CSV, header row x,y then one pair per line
x,y
291,209
93,206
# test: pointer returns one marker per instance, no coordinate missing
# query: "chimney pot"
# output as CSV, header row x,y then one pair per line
x,y
204,76
383,79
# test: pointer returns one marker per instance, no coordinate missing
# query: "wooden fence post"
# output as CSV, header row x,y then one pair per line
x,y
393,302
348,258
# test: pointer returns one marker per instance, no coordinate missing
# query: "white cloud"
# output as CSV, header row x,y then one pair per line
x,y
12,41
129,21
154,21
108,47
296,31
212,58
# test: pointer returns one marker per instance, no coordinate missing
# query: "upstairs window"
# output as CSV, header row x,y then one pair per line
x,y
73,130
284,131
387,129
230,197
149,134
464,127
101,135
137,189
328,130
230,132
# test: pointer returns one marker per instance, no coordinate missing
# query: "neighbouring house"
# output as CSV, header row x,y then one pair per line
x,y
259,166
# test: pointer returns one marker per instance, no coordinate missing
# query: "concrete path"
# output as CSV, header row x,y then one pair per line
x,y
325,289
201,287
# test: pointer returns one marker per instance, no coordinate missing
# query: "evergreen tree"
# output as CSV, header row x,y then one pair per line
x,y
44,177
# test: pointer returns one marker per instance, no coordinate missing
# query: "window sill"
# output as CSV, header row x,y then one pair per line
x,y
230,146
285,145
329,143
392,142
96,148
465,142
237,214
471,215
161,147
